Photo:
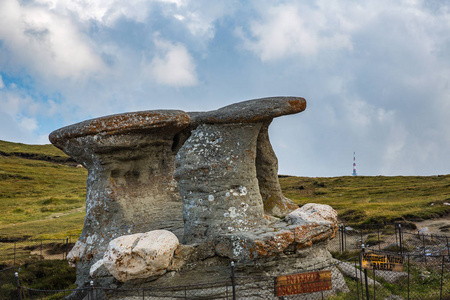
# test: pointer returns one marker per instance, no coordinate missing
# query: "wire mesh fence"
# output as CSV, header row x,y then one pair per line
x,y
425,273
348,279
391,237
19,252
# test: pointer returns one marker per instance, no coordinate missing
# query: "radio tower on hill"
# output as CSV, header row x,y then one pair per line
x,y
354,165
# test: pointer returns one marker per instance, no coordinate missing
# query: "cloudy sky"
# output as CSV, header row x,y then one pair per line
x,y
375,73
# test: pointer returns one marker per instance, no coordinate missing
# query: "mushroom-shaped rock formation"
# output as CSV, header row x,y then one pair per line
x,y
227,170
130,184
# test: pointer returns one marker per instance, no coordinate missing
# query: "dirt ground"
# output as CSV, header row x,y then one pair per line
x,y
440,226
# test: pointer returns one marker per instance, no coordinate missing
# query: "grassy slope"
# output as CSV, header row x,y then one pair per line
x,y
39,198
45,199
378,199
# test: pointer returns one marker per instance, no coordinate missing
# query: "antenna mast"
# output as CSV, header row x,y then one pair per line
x,y
354,165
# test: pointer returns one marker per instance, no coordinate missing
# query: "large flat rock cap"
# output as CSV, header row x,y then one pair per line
x,y
251,111
166,121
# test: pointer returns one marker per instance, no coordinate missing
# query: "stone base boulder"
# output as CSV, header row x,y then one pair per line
x,y
254,280
140,255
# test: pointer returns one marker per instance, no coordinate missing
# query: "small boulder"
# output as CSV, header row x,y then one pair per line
x,y
76,253
423,231
312,223
312,212
98,269
140,255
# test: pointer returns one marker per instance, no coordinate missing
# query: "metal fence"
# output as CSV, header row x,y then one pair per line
x,y
425,272
423,277
392,237
18,252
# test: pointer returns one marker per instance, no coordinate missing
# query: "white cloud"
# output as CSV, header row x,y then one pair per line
x,y
291,28
288,29
198,16
44,43
172,65
29,124
2,84
103,11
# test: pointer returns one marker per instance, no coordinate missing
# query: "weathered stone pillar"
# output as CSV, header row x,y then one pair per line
x,y
224,185
130,185
216,176
275,203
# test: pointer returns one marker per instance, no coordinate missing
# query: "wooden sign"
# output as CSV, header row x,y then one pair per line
x,y
383,262
303,283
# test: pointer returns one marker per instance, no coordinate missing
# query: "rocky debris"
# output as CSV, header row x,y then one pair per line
x,y
312,223
349,270
99,270
391,276
313,213
424,275
188,254
76,253
350,230
423,231
139,255
130,184
394,297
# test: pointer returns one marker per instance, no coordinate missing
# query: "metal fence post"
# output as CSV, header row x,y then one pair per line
x,y
14,261
400,237
442,276
345,237
423,245
91,291
374,293
379,243
365,274
233,283
362,242
274,287
357,283
409,271
448,250
16,275
361,276
67,246
396,239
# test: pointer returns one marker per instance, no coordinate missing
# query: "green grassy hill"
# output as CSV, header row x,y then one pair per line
x,y
374,199
42,194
